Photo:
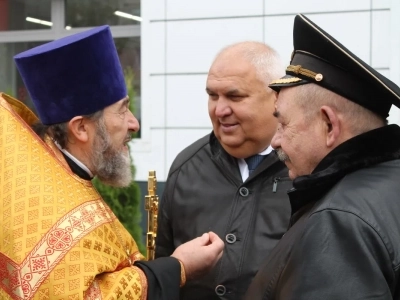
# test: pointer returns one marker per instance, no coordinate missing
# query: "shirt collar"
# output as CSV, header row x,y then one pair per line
x,y
244,169
74,159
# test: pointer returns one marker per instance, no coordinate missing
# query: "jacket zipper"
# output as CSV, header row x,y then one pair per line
x,y
274,187
276,180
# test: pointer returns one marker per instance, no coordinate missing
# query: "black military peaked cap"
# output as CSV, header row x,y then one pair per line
x,y
319,58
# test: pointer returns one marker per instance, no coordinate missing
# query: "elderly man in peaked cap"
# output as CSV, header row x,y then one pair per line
x,y
344,236
58,239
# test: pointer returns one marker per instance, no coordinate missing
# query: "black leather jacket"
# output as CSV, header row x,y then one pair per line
x,y
204,192
344,240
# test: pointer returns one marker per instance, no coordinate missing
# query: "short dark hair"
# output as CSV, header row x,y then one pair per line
x,y
59,132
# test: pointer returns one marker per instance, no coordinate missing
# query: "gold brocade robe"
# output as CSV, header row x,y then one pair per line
x,y
58,239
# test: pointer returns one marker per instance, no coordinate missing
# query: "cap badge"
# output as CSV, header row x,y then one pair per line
x,y
318,77
305,72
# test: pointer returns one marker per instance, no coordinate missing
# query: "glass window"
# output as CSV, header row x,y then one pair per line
x,y
11,82
88,13
25,14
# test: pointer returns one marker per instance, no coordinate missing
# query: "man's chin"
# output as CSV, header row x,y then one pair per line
x,y
122,185
119,176
118,183
231,141
292,175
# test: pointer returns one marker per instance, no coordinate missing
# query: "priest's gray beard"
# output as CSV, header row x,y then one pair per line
x,y
111,164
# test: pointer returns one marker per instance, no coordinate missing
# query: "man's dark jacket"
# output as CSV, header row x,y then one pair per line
x,y
204,192
344,240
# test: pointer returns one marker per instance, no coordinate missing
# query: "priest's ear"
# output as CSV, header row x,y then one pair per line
x,y
79,129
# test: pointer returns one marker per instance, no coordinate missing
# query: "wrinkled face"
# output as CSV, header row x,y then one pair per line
x,y
297,141
110,155
240,107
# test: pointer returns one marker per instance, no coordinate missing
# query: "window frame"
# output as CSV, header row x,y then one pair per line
x,y
58,31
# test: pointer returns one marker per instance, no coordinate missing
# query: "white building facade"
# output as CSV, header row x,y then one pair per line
x,y
180,38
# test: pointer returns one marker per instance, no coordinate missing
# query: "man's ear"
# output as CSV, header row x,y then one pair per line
x,y
78,128
332,125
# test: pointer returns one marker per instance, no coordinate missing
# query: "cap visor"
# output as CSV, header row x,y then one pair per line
x,y
286,81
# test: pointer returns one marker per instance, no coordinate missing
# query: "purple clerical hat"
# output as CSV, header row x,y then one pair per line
x,y
76,75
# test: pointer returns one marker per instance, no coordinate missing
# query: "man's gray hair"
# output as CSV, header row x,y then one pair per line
x,y
59,132
263,57
311,97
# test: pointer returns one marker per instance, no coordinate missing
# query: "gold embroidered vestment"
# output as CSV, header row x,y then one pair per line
x,y
58,239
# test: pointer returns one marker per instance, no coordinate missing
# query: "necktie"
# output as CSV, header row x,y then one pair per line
x,y
253,162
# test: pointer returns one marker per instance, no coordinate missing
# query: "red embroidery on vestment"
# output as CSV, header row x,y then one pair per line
x,y
21,281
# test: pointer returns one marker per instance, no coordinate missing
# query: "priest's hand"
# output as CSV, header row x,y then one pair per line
x,y
200,255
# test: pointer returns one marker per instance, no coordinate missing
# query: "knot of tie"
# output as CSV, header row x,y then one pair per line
x,y
253,162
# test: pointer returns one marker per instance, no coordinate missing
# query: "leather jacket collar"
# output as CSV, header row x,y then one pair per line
x,y
364,150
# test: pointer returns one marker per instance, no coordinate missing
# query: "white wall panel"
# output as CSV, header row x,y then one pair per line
x,y
394,53
395,42
156,50
192,45
380,39
188,46
154,159
353,32
187,101
155,9
296,6
385,72
394,115
278,32
377,4
351,29
157,101
179,139
182,9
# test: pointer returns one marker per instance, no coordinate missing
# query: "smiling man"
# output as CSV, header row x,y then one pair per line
x,y
215,183
58,238
344,236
